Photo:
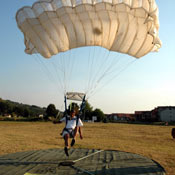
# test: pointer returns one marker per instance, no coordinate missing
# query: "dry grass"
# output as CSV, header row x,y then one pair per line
x,y
154,142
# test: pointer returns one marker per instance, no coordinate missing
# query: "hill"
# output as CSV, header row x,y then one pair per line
x,y
8,107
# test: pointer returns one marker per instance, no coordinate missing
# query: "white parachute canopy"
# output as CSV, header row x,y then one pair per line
x,y
126,26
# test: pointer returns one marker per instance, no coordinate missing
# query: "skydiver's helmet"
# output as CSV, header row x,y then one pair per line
x,y
73,107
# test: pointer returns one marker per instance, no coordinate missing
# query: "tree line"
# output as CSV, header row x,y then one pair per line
x,y
15,109
87,114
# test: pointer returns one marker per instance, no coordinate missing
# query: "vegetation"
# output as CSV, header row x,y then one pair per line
x,y
51,111
99,114
23,112
89,113
19,110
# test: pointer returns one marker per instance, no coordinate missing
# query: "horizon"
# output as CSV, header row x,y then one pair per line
x,y
91,106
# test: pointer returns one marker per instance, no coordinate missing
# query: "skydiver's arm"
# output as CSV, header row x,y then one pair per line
x,y
80,131
56,122
60,121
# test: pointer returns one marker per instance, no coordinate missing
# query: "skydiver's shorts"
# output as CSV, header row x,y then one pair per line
x,y
69,131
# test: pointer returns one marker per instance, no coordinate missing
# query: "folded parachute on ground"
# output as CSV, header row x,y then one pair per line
x,y
125,26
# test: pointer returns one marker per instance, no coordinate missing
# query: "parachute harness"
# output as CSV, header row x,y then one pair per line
x,y
71,106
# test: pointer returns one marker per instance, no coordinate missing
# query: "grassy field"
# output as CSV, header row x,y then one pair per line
x,y
154,142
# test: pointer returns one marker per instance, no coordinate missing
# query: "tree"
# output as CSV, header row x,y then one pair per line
x,y
88,111
18,111
3,107
26,113
51,111
99,114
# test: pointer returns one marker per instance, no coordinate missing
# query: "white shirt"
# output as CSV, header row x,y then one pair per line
x,y
71,123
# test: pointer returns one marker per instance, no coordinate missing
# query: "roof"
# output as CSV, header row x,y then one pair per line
x,y
121,115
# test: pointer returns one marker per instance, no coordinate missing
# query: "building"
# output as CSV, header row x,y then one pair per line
x,y
7,116
120,117
160,113
165,113
145,116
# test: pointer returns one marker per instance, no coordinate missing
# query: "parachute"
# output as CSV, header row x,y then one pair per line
x,y
51,27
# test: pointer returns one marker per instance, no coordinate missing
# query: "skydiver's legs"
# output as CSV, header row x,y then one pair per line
x,y
76,131
66,140
75,134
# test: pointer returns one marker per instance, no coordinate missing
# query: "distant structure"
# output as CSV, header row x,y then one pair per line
x,y
166,113
94,118
173,133
160,113
121,117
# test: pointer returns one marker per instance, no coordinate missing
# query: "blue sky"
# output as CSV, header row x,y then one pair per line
x,y
144,85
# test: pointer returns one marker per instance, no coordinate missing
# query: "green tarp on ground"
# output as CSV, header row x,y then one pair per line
x,y
80,162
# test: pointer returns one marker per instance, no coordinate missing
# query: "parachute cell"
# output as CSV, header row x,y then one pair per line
x,y
126,26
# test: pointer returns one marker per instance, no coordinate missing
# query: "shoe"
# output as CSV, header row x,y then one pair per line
x,y
66,151
73,142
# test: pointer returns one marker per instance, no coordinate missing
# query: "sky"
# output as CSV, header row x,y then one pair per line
x,y
147,83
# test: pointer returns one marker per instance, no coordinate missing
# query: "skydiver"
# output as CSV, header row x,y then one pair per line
x,y
73,126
